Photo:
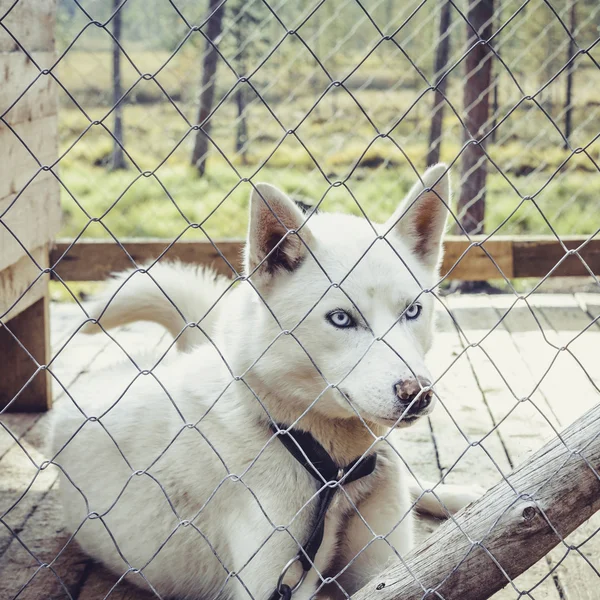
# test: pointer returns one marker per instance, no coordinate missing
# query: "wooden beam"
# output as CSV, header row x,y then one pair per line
x,y
37,138
517,523
25,311
29,101
468,262
94,260
33,216
16,290
19,390
511,257
31,22
536,256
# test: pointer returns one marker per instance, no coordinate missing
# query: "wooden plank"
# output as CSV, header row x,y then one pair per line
x,y
537,257
504,378
512,528
32,22
16,290
17,72
32,329
34,217
93,260
18,165
483,399
476,264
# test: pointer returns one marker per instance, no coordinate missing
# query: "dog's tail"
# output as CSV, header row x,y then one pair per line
x,y
171,294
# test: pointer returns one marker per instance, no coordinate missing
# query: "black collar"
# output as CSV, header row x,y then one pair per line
x,y
317,461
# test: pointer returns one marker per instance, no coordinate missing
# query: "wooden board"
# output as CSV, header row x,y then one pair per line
x,y
34,217
28,94
92,260
16,290
492,260
31,22
25,341
535,258
37,138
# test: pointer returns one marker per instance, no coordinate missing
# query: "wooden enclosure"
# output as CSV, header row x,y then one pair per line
x,y
476,259
29,199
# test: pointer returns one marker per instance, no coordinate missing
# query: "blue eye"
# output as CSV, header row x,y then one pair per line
x,y
413,311
340,319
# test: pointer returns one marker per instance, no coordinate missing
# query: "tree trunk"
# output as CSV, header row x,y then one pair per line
x,y
241,135
471,203
207,85
118,156
570,69
441,61
497,74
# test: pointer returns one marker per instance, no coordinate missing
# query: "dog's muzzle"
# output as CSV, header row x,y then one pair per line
x,y
414,396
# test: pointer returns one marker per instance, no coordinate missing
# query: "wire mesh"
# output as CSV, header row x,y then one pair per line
x,y
343,104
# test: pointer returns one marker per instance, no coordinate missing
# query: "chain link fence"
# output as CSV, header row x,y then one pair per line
x,y
168,117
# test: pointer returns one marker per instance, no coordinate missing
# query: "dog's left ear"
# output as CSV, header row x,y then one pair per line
x,y
273,244
420,220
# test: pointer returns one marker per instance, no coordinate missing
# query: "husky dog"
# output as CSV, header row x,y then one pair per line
x,y
182,476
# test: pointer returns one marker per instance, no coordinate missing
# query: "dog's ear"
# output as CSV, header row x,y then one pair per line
x,y
420,220
272,239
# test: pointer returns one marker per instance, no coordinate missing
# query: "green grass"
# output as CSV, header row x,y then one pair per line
x,y
336,135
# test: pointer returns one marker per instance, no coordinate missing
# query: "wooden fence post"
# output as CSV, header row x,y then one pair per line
x,y
29,199
510,528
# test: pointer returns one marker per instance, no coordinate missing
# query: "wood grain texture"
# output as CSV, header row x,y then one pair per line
x,y
513,529
537,257
24,387
33,217
18,166
93,260
28,94
16,290
31,22
469,262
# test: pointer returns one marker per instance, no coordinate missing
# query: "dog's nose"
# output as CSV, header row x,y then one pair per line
x,y
407,390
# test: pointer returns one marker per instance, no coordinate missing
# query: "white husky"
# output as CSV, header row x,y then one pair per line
x,y
179,474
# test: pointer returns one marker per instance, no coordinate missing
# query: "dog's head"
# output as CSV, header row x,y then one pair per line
x,y
341,318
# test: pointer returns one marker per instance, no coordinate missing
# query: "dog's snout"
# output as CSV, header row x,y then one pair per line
x,y
414,394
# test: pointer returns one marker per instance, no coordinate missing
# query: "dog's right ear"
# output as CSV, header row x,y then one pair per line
x,y
273,244
420,220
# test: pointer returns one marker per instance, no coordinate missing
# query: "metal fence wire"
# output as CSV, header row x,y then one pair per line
x,y
170,113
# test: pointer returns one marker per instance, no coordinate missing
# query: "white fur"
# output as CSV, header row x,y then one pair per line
x,y
181,462
171,294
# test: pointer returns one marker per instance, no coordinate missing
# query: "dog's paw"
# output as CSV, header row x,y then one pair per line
x,y
447,500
